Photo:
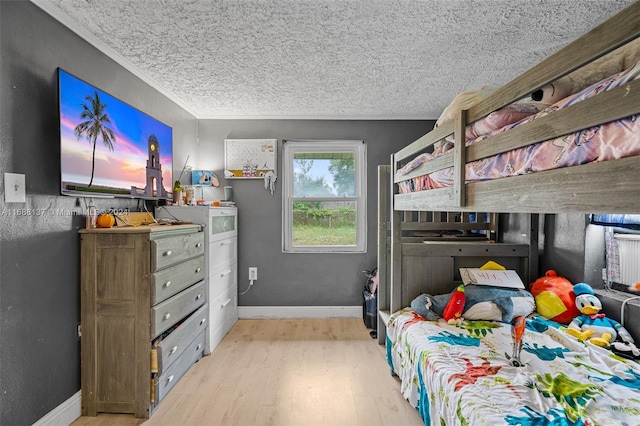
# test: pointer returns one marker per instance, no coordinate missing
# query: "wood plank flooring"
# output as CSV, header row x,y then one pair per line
x,y
290,372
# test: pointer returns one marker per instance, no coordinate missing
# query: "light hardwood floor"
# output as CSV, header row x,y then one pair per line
x,y
285,373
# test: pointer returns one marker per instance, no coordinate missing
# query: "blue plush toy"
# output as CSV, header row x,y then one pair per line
x,y
592,325
482,303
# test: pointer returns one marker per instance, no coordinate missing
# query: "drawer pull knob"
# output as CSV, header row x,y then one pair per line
x,y
198,347
198,245
174,349
197,270
203,320
167,316
170,379
199,296
167,284
167,253
226,302
227,272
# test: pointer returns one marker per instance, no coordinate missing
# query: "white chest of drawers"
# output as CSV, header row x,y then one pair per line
x,y
221,263
142,293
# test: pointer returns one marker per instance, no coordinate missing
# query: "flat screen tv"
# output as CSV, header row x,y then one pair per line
x,y
109,148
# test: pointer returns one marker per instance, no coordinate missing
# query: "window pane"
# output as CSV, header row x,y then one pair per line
x,y
324,174
324,223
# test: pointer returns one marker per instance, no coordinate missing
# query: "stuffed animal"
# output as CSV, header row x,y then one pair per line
x,y
555,299
592,325
619,60
453,311
482,302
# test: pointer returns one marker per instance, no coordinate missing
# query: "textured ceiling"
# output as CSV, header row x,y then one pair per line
x,y
355,59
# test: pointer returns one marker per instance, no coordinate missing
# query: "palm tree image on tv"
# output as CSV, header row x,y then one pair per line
x,y
109,148
95,126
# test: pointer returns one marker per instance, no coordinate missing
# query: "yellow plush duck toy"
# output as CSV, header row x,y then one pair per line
x,y
592,325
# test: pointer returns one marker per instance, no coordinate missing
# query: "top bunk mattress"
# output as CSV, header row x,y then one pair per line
x,y
613,140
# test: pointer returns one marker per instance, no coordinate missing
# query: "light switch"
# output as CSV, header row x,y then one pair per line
x,y
14,188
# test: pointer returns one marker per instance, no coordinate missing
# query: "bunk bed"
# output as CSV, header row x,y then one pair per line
x,y
435,216
579,188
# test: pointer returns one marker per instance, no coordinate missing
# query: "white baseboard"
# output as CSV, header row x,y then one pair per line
x,y
282,312
64,414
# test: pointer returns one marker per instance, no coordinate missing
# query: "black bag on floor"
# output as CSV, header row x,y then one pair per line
x,y
370,309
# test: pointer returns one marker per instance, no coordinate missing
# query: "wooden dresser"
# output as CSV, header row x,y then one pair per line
x,y
143,314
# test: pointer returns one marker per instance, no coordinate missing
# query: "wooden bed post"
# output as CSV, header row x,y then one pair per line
x,y
459,160
384,193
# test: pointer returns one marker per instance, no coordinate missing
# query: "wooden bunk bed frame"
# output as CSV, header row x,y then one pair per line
x,y
586,188
408,266
420,251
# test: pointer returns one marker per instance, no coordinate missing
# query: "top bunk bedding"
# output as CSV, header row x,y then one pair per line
x,y
581,154
613,140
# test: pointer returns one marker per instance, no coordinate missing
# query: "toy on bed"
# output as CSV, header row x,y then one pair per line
x,y
481,303
555,298
455,307
619,60
592,325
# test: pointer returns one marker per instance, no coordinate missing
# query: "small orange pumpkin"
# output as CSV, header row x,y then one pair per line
x,y
105,221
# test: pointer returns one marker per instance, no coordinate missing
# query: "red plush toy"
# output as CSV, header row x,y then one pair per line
x,y
555,298
454,309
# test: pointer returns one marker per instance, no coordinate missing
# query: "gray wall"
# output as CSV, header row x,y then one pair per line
x,y
288,279
39,265
39,275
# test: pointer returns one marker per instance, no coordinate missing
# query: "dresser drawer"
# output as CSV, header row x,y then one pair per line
x,y
222,278
223,252
171,250
172,280
166,381
170,349
171,311
223,307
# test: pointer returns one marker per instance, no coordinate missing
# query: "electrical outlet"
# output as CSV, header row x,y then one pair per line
x,y
253,273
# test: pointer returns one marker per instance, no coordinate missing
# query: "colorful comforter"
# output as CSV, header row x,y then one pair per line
x,y
461,375
617,139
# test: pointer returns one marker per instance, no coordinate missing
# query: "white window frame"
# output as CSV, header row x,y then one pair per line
x,y
358,147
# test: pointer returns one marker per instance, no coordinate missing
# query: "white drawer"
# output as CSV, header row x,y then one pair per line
x,y
223,307
222,278
223,252
171,311
223,223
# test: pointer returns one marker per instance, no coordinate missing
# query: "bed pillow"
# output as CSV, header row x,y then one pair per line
x,y
482,303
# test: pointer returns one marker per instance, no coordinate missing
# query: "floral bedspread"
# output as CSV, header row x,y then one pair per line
x,y
461,375
614,140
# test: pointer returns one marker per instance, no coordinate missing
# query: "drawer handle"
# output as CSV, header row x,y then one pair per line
x,y
203,320
198,245
167,253
199,296
167,284
170,379
167,316
226,302
225,243
198,347
197,270
227,272
174,349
